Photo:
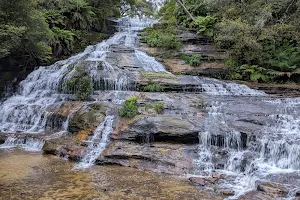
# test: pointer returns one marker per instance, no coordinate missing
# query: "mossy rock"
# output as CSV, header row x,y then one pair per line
x,y
88,117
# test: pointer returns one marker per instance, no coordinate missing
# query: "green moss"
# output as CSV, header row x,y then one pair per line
x,y
152,75
153,87
130,108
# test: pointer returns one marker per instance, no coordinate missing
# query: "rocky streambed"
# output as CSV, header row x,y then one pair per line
x,y
211,139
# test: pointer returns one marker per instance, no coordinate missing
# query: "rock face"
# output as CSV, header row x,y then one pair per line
x,y
165,142
88,117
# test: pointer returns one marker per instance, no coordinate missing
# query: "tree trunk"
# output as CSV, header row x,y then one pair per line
x,y
185,9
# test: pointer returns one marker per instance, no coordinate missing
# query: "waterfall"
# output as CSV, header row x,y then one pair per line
x,y
216,134
97,143
215,87
29,144
149,63
46,89
276,149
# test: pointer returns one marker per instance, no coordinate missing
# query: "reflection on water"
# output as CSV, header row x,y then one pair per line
x,y
26,175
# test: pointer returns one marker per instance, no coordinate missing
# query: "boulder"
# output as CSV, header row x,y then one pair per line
x,y
197,181
156,157
273,189
161,129
88,117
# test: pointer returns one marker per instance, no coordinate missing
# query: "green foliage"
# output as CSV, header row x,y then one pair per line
x,y
130,108
62,42
159,107
162,39
195,60
23,31
262,35
284,58
250,73
79,84
153,87
10,38
34,32
204,25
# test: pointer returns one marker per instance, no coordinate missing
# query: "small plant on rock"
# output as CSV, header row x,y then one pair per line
x,y
130,108
195,60
159,107
153,87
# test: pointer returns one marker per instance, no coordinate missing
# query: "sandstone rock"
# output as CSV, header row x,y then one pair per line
x,y
84,134
197,181
51,147
272,188
162,128
257,195
228,193
157,157
88,117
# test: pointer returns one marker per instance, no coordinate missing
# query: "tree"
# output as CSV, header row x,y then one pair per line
x,y
24,32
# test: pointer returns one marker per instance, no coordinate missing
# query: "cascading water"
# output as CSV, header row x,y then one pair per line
x,y
30,109
97,143
275,150
29,144
215,87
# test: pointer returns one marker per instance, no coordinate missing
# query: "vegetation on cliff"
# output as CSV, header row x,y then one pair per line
x,y
130,108
40,31
262,37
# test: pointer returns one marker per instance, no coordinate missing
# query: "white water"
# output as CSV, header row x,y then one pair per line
x,y
28,144
30,109
97,143
215,87
276,151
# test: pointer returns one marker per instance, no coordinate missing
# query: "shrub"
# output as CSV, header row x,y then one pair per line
x,y
81,86
186,58
250,73
130,108
195,60
204,25
164,40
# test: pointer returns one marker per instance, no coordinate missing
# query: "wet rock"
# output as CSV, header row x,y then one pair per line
x,y
162,128
228,193
207,51
84,134
51,147
65,146
214,70
272,188
2,139
197,181
88,117
256,195
157,157
168,81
